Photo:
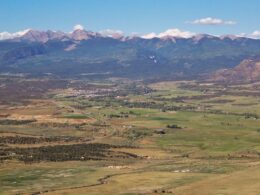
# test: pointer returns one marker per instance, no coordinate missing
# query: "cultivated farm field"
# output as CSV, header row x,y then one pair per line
x,y
118,136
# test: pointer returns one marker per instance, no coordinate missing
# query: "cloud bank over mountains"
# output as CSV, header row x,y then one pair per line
x,y
174,32
256,34
169,33
7,35
112,33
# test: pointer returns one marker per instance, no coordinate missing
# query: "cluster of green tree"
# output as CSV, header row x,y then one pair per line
x,y
251,115
154,105
120,115
78,152
36,140
16,122
58,125
173,126
246,115
135,134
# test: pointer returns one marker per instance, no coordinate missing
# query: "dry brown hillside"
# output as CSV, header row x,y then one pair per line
x,y
247,71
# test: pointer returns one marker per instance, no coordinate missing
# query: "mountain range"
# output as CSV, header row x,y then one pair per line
x,y
84,52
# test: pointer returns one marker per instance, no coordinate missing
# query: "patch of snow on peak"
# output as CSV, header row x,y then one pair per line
x,y
116,34
232,37
6,35
199,37
170,33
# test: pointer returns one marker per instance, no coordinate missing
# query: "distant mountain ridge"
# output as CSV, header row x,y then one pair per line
x,y
82,34
44,36
86,52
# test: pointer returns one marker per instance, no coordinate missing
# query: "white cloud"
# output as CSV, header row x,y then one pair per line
x,y
112,33
149,36
176,33
171,33
7,35
78,27
21,33
242,35
212,21
255,34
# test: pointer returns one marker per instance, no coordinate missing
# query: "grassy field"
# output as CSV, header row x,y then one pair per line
x,y
168,137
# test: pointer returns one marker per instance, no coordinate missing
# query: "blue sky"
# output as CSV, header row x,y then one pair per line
x,y
140,16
